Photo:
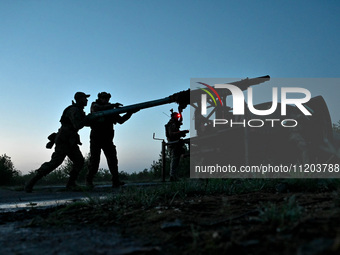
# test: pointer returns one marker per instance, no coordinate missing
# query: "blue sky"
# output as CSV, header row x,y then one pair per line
x,y
140,51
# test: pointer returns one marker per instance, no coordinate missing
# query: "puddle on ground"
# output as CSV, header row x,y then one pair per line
x,y
10,207
50,202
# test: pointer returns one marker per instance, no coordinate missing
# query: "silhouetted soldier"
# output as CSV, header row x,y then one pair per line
x,y
101,138
66,143
174,135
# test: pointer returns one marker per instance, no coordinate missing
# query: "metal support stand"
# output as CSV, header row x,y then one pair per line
x,y
164,144
163,161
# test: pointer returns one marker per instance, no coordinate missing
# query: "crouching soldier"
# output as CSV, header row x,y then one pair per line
x,y
66,143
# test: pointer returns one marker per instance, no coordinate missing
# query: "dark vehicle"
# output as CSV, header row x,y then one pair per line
x,y
226,139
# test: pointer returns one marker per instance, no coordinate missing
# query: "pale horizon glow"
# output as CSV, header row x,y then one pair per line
x,y
140,51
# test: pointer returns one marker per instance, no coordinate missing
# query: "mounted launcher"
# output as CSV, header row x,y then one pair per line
x,y
181,98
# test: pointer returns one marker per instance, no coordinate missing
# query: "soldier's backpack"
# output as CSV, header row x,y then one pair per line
x,y
167,130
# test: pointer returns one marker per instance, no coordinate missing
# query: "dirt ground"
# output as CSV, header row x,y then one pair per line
x,y
220,224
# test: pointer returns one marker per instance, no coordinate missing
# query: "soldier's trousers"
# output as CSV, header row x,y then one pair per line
x,y
57,158
110,153
176,151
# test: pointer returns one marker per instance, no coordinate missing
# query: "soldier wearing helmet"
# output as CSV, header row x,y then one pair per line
x,y
174,135
67,143
101,138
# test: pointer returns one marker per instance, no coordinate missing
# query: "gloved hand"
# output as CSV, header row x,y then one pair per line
x,y
116,105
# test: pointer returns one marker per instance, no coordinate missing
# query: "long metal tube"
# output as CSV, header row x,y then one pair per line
x,y
133,107
182,98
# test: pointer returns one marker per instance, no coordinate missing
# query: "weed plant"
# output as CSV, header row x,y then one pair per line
x,y
282,216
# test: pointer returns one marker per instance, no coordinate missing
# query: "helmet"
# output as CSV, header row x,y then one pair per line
x,y
104,95
176,116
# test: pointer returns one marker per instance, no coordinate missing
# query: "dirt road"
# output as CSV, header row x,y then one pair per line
x,y
259,222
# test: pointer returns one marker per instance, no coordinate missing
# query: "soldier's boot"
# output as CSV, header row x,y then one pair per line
x,y
116,183
32,182
89,183
89,178
71,184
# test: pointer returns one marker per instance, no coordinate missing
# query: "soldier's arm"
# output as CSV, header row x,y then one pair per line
x,y
125,117
175,133
98,107
78,118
